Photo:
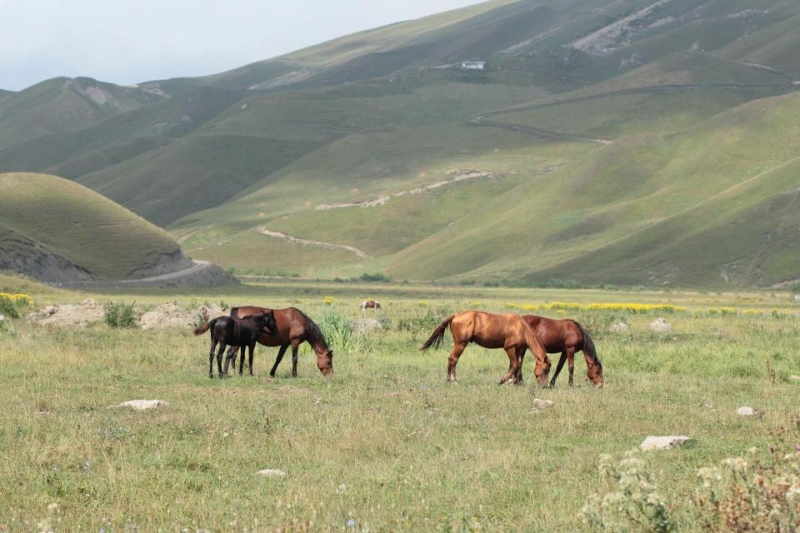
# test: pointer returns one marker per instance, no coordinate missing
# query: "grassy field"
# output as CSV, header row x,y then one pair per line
x,y
386,444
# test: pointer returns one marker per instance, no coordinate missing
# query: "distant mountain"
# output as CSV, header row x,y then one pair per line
x,y
529,141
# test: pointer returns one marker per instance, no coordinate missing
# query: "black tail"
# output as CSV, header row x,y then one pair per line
x,y
205,327
235,312
588,346
438,334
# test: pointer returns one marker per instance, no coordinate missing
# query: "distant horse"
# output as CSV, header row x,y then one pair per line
x,y
228,331
491,330
369,304
566,336
293,327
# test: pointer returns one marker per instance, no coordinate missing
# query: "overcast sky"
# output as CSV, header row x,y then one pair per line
x,y
130,41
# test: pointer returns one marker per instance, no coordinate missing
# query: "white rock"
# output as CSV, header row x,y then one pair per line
x,y
364,325
542,404
619,327
794,377
746,410
271,472
142,405
660,325
663,443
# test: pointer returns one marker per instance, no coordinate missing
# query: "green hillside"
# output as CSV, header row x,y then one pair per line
x,y
42,214
604,141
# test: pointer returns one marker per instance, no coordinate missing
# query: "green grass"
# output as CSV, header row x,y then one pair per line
x,y
386,442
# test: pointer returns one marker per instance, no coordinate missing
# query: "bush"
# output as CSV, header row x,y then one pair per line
x,y
120,315
14,305
759,492
755,493
634,505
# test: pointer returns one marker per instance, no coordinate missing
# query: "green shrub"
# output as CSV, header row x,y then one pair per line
x,y
120,315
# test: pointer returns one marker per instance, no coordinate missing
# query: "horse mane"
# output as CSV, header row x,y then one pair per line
x,y
588,344
315,335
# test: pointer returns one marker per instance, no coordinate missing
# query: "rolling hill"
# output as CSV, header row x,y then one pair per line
x,y
629,142
55,230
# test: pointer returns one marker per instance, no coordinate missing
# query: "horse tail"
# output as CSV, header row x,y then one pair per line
x,y
438,334
234,312
588,346
205,327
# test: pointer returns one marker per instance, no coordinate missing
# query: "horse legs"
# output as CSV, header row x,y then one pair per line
x,y
219,358
211,358
241,361
559,366
294,359
513,366
571,363
230,358
452,361
251,347
518,375
281,351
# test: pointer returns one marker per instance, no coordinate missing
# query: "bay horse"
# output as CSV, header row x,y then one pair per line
x,y
236,333
566,336
490,330
293,327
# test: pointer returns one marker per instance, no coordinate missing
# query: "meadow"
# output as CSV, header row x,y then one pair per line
x,y
386,444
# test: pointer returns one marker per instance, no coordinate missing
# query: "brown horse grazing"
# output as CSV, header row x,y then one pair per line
x,y
293,327
566,336
236,333
491,330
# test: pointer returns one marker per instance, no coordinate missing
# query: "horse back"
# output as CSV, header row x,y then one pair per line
x,y
290,324
490,330
554,334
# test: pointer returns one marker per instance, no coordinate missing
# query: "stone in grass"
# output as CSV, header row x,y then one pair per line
x,y
746,410
142,405
660,325
664,443
271,472
542,404
795,378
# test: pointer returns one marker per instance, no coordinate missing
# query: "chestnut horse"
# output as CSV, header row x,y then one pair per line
x,y
566,336
235,333
491,330
293,327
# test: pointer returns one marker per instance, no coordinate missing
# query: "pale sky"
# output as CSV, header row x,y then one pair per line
x,y
131,41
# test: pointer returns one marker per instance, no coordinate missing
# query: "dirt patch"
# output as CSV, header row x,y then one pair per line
x,y
88,312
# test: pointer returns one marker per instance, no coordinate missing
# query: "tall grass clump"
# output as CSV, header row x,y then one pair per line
x,y
339,330
120,315
634,503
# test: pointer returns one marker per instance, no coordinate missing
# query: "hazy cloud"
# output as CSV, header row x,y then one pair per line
x,y
126,41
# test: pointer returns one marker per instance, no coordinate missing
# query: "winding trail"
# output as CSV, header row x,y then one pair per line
x,y
294,240
486,121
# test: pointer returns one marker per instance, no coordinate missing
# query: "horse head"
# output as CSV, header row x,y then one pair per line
x,y
325,362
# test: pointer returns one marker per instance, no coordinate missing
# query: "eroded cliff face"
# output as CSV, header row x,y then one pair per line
x,y
28,258
169,270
